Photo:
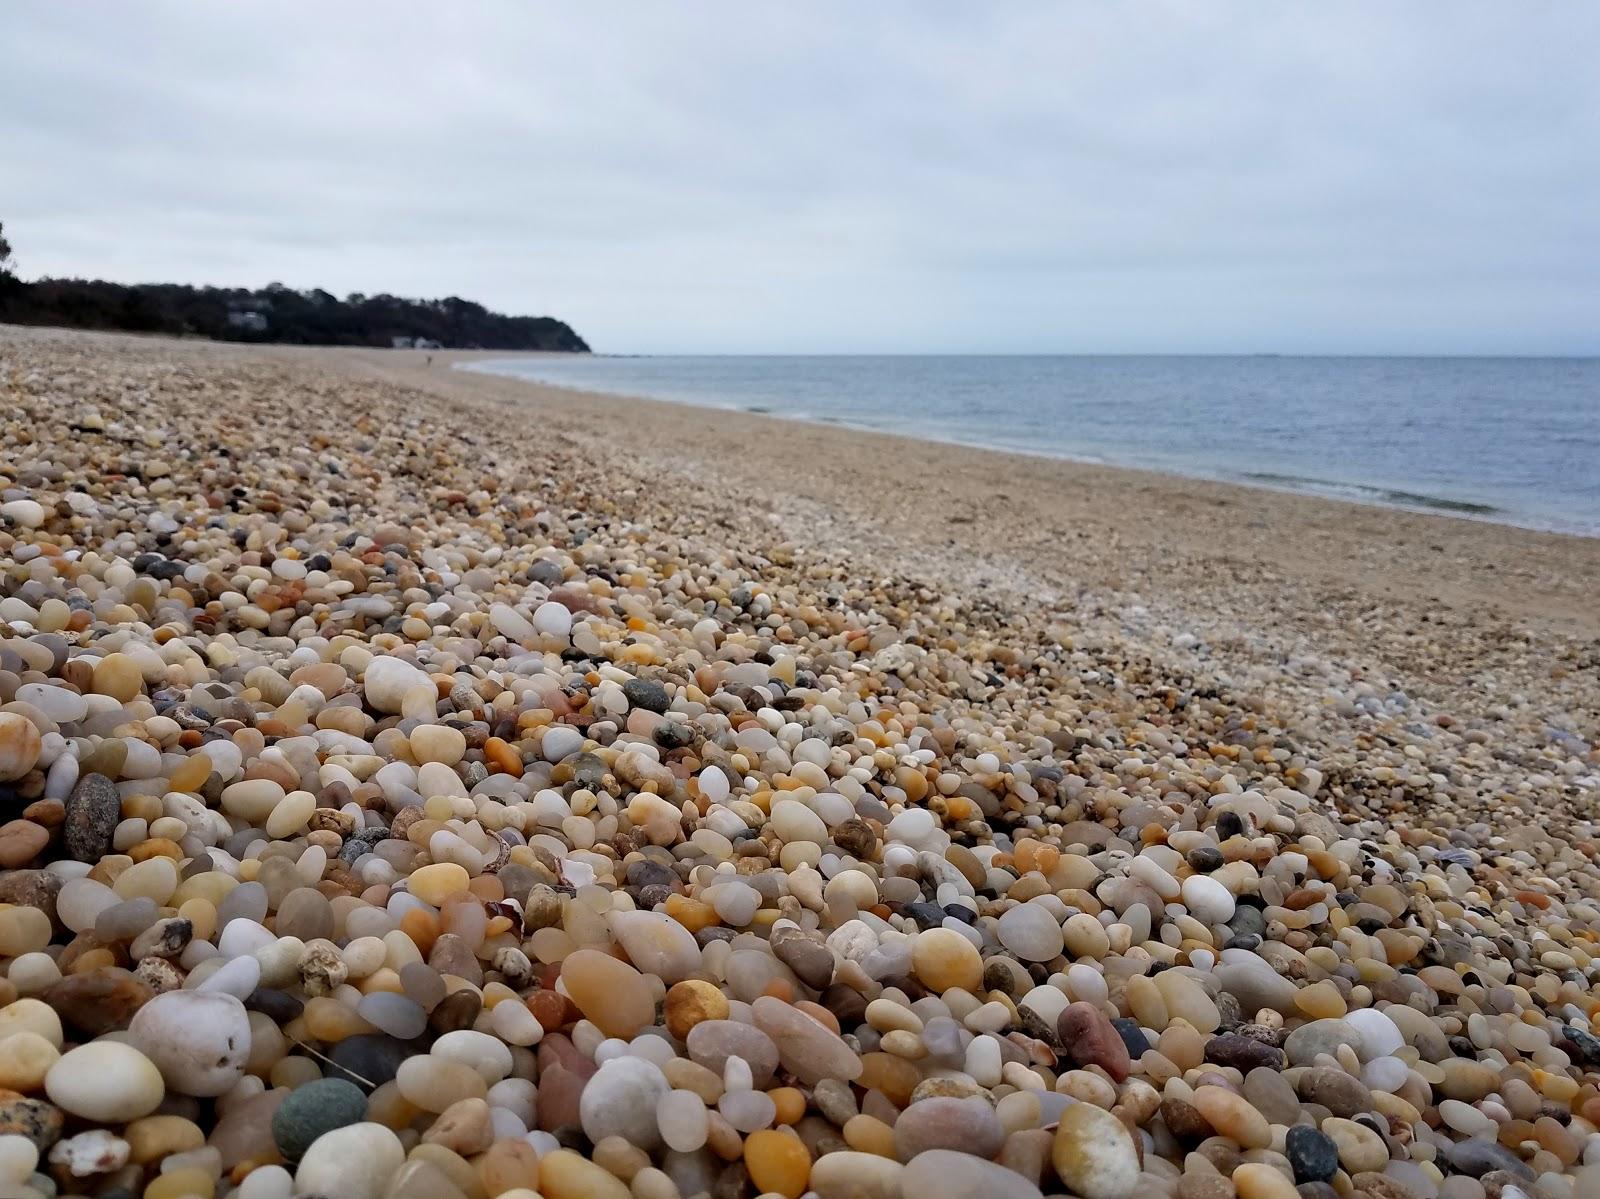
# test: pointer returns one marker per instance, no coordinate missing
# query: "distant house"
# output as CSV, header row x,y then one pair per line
x,y
400,343
247,315
415,343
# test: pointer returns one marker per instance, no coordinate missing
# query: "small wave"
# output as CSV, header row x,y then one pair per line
x,y
1383,495
758,409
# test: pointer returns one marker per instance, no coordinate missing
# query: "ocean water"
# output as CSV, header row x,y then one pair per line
x,y
1513,440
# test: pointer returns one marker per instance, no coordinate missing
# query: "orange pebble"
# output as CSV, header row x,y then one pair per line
x,y
790,1102
778,1163
868,1134
502,757
422,927
819,1013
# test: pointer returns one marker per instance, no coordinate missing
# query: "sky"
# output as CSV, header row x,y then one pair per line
x,y
750,177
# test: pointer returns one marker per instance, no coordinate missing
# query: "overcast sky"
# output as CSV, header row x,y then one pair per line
x,y
749,177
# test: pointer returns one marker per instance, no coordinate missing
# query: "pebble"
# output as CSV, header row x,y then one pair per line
x,y
1312,1155
93,811
611,993
621,1099
1030,932
355,1161
1094,1154
105,1081
200,1041
947,1174
314,1108
20,746
965,1125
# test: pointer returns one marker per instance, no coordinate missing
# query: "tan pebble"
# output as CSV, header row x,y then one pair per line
x,y
25,1060
1254,1180
943,959
563,1174
1232,1116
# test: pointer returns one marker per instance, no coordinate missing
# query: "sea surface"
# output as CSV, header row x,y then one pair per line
x,y
1512,440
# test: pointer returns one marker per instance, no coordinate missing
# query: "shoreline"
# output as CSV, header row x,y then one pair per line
x,y
1377,495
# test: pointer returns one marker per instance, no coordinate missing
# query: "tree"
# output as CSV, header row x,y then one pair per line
x,y
5,251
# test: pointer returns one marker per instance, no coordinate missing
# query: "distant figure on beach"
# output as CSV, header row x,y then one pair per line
x,y
430,359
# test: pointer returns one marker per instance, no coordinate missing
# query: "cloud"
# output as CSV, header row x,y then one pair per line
x,y
746,177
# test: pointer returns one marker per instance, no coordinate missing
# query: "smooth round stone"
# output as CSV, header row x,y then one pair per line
x,y
1360,1149
1031,932
943,959
962,1125
657,944
1257,1180
369,1059
19,1156
36,1016
266,1182
552,619
564,1174
949,1174
28,514
478,1051
353,1162
386,681
25,1060
1094,1153
1208,900
848,1174
438,743
560,742
610,993
393,1014
806,1048
794,821
1305,1043
315,1108
620,1100
1380,1036
118,676
435,883
23,930
58,703
1465,1118
1390,1074
735,903
712,1042
433,1083
252,800
514,1024
747,1110
199,1040
1232,1116
20,745
683,1121
105,1081
289,816
237,977
714,785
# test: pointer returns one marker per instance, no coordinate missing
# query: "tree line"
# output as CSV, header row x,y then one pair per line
x,y
274,313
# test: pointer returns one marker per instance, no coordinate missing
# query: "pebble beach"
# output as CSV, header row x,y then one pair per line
x,y
424,785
